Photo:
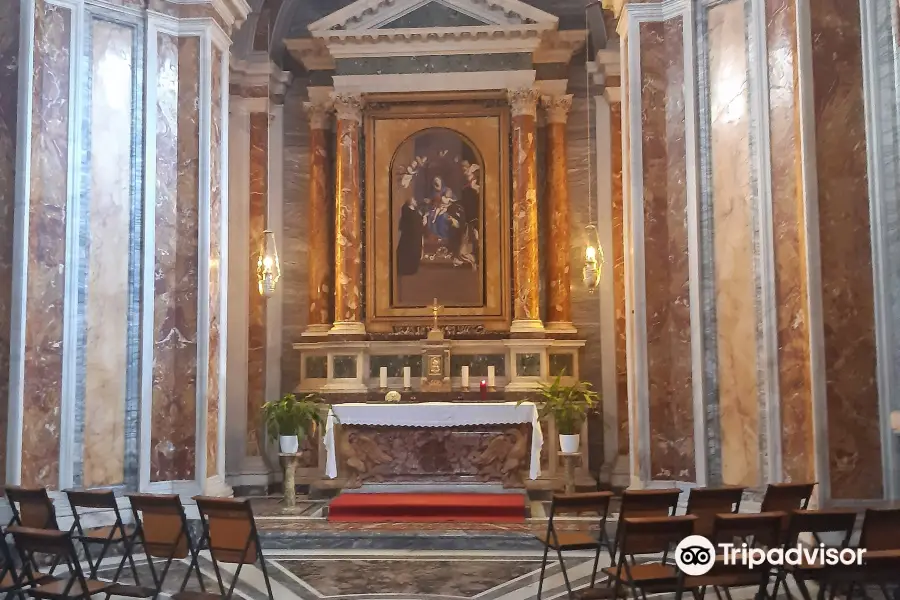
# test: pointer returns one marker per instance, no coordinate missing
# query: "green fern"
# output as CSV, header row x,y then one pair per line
x,y
294,416
569,405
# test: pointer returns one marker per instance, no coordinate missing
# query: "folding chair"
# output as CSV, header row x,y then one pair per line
x,y
816,523
761,530
31,507
58,545
562,541
706,503
229,531
880,537
649,535
786,498
105,537
161,527
646,503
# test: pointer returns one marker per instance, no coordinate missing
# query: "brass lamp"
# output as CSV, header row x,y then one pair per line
x,y
268,268
593,259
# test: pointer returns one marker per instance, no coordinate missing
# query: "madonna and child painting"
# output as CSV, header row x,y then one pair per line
x,y
436,201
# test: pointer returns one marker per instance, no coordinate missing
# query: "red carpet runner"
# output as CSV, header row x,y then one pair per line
x,y
428,508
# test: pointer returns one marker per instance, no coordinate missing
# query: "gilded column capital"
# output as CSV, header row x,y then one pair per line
x,y
319,114
348,106
523,101
557,108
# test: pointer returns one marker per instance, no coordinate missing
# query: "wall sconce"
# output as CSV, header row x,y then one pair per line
x,y
268,268
593,259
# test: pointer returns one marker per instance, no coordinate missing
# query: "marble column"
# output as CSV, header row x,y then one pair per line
x,y
319,251
526,272
559,311
348,249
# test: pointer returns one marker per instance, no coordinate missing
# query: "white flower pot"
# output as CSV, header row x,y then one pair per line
x,y
569,444
289,444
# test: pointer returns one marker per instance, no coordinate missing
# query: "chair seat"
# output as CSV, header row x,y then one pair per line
x,y
570,540
57,588
101,535
645,573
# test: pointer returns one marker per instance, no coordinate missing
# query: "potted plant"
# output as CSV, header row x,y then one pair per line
x,y
291,417
569,406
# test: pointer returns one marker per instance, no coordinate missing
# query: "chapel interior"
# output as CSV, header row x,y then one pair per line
x,y
419,214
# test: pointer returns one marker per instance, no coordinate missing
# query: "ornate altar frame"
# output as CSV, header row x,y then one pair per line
x,y
390,121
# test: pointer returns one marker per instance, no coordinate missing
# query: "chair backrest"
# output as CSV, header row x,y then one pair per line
x,y
653,535
787,497
577,504
163,525
817,522
759,529
42,541
706,503
649,503
231,529
880,529
32,507
92,499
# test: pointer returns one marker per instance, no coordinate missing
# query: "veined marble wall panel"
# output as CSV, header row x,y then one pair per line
x,y
732,215
9,87
173,429
45,286
217,121
791,290
616,270
667,278
259,189
848,300
107,235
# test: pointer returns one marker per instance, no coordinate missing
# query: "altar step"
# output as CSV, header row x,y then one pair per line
x,y
427,508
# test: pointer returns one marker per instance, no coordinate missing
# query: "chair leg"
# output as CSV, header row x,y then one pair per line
x,y
262,566
543,568
562,566
596,562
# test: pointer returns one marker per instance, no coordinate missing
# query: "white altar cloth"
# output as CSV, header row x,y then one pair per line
x,y
435,414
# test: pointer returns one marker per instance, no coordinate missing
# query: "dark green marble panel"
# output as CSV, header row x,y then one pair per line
x,y
454,63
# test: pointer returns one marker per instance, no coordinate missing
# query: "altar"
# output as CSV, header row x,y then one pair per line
x,y
434,441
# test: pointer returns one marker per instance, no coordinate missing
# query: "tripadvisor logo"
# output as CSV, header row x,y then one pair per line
x,y
695,555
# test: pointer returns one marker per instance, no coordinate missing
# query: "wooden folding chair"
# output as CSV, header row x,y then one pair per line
x,y
706,503
31,507
229,531
646,503
786,498
105,537
161,527
880,537
563,541
761,530
816,523
58,546
649,535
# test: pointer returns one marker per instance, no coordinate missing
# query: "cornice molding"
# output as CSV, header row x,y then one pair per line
x,y
260,71
233,12
312,53
560,46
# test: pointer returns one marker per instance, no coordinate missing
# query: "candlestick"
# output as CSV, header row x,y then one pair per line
x,y
382,377
407,378
490,380
464,376
483,389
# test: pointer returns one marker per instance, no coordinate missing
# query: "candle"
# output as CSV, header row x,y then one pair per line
x,y
382,377
490,380
464,375
483,389
407,377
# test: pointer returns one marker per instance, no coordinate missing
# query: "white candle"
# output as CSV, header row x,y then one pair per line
x,y
491,376
407,377
464,375
382,377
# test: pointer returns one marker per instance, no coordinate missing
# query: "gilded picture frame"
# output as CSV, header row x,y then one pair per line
x,y
461,253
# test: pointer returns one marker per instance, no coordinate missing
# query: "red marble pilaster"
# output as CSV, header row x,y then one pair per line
x,y
667,282
348,218
559,306
526,284
791,289
848,296
173,426
618,274
256,335
46,246
319,250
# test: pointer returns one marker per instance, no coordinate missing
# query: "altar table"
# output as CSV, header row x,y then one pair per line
x,y
435,414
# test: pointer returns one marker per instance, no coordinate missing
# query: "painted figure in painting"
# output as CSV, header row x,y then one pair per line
x,y
439,222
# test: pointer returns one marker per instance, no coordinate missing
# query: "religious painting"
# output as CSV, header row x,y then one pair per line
x,y
438,206
436,203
